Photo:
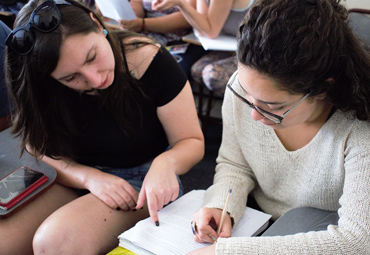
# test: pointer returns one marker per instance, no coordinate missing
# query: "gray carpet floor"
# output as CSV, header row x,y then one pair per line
x,y
201,175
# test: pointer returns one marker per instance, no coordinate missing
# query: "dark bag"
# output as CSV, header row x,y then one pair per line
x,y
8,2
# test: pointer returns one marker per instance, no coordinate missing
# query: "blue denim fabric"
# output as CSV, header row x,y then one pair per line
x,y
135,176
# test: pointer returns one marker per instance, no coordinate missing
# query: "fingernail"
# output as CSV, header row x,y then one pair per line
x,y
134,210
157,223
142,208
118,208
213,238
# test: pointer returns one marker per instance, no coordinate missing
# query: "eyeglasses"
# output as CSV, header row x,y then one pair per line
x,y
46,17
270,116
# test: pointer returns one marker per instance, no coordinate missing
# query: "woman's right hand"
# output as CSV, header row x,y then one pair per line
x,y
112,190
207,221
161,5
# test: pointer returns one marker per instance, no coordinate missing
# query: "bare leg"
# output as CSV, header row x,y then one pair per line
x,y
84,226
17,230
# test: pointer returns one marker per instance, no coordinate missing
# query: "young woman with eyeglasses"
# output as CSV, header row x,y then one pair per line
x,y
111,111
296,131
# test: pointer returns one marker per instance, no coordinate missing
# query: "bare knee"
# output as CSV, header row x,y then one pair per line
x,y
55,236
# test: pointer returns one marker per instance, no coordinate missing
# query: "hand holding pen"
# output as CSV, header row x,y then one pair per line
x,y
224,211
210,223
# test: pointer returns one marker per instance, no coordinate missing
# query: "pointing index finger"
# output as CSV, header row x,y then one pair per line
x,y
152,208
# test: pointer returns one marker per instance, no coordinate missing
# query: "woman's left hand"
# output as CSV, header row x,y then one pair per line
x,y
209,250
132,25
161,5
160,187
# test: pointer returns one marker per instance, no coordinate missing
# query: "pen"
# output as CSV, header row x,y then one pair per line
x,y
223,214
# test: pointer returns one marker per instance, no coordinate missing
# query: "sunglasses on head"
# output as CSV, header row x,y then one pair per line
x,y
45,18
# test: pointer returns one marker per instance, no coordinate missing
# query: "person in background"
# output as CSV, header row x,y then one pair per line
x,y
167,27
164,26
111,112
11,6
296,131
210,18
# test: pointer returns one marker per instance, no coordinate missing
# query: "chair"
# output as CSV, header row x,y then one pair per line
x,y
359,21
212,71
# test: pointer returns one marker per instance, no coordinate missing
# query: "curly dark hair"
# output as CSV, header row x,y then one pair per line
x,y
301,44
42,116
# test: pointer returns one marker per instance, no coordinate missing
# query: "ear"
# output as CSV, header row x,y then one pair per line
x,y
92,16
330,80
322,96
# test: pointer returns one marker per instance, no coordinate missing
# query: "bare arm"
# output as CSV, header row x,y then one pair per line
x,y
166,24
137,7
181,124
208,20
112,190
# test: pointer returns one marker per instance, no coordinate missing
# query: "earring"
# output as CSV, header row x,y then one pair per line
x,y
105,31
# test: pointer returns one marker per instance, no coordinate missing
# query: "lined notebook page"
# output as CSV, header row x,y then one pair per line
x,y
174,235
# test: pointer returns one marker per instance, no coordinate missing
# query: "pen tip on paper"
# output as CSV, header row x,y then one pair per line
x,y
230,190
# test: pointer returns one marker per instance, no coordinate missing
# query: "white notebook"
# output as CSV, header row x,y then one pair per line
x,y
174,235
221,43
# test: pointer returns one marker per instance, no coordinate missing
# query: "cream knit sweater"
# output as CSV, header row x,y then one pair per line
x,y
332,173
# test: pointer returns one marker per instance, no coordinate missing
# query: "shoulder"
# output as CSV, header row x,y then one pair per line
x,y
140,56
353,133
347,121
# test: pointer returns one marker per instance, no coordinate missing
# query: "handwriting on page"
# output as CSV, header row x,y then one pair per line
x,y
170,238
174,235
170,216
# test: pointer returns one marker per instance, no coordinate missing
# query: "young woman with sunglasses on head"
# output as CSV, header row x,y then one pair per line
x,y
112,112
296,131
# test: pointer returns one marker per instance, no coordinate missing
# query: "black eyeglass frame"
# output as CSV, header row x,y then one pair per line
x,y
270,116
31,24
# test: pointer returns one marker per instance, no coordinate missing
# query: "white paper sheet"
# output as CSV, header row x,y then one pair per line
x,y
221,43
174,235
116,9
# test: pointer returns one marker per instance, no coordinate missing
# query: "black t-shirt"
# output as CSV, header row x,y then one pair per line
x,y
105,144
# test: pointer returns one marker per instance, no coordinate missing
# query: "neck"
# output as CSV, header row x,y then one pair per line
x,y
89,92
323,114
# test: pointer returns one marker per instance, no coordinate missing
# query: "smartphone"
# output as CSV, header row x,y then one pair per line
x,y
18,184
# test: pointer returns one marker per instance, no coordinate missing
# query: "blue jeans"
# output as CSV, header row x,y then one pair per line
x,y
135,176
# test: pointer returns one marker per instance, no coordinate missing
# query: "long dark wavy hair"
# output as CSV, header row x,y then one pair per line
x,y
42,115
301,44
